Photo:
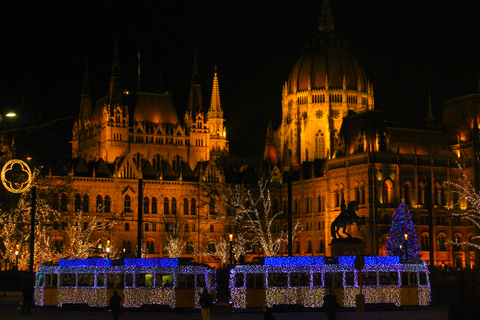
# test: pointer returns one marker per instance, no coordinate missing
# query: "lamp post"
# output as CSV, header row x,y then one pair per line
x,y
231,248
16,259
406,246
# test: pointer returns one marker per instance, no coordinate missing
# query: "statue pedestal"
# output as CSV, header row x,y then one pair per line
x,y
348,247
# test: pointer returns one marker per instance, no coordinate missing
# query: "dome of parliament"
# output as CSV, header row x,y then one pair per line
x,y
329,64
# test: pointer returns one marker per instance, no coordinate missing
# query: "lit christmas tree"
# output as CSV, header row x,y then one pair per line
x,y
403,236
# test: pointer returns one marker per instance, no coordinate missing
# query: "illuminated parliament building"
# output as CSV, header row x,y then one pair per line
x,y
332,141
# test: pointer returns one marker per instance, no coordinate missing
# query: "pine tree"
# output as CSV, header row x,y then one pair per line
x,y
402,225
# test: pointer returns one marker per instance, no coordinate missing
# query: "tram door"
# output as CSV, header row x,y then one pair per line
x,y
255,289
409,289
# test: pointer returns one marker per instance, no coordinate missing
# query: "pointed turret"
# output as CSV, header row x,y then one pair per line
x,y
270,153
215,101
86,98
115,94
326,19
218,132
195,100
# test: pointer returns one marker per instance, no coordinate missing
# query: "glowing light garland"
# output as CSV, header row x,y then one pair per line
x,y
312,296
133,297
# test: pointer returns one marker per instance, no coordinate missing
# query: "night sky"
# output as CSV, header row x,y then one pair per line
x,y
407,48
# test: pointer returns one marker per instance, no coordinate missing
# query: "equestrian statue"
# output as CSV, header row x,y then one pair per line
x,y
347,217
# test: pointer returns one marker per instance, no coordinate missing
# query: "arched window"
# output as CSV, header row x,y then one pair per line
x,y
193,207
321,245
64,202
107,204
357,192
166,206
174,206
337,197
185,206
441,242
154,205
146,205
78,203
387,192
437,194
425,242
150,246
309,246
406,193
307,204
362,192
86,203
127,204
341,191
443,199
421,194
99,204
297,246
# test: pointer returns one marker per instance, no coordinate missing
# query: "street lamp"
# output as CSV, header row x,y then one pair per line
x,y
406,246
108,249
16,258
231,248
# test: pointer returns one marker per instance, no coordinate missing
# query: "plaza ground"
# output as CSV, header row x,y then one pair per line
x,y
10,309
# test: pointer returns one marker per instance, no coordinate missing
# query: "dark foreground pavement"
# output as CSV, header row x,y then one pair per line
x,y
10,309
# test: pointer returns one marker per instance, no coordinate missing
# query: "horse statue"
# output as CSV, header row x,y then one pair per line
x,y
347,217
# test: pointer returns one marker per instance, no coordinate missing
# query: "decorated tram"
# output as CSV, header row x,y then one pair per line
x,y
306,280
152,281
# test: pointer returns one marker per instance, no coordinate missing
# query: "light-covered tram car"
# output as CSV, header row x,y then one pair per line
x,y
306,280
149,281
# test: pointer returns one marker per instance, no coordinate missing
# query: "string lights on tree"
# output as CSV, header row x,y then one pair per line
x,y
465,191
403,235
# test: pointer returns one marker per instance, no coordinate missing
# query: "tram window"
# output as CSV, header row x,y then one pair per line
x,y
423,278
413,279
211,280
185,281
317,279
101,280
349,278
164,280
50,281
388,278
238,280
333,279
115,280
85,280
277,280
200,280
300,279
255,280
370,278
143,280
40,280
129,280
67,280
328,279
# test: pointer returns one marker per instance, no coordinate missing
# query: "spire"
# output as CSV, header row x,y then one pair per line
x,y
215,102
86,98
325,23
195,100
430,119
115,90
195,75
